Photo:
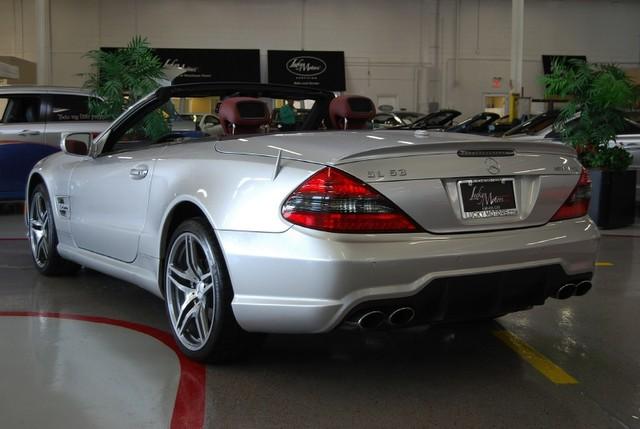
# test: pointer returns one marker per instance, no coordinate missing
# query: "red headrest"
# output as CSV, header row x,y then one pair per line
x,y
351,112
243,115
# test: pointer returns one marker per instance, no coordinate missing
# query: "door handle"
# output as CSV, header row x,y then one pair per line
x,y
25,133
139,172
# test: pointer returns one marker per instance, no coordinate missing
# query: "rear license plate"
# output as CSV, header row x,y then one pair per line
x,y
482,198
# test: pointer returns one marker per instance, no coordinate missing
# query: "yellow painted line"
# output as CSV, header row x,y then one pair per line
x,y
604,264
547,368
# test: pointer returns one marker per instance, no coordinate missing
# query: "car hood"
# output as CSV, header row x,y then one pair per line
x,y
339,147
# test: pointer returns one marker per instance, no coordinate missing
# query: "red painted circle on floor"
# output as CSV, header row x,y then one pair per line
x,y
188,410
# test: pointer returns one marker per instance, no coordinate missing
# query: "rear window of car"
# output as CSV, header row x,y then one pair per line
x,y
19,109
70,108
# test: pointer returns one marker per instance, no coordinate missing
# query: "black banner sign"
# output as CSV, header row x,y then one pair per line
x,y
318,69
212,65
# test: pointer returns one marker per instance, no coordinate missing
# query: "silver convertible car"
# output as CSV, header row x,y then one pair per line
x,y
306,232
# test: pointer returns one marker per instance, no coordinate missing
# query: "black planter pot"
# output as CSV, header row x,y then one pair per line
x,y
613,198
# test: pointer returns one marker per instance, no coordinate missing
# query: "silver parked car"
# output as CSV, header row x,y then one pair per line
x,y
32,119
39,114
309,231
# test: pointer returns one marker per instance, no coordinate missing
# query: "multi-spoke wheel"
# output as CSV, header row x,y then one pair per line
x,y
39,229
43,237
198,294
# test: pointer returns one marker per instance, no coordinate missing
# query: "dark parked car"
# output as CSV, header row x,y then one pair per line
x,y
477,124
534,125
437,120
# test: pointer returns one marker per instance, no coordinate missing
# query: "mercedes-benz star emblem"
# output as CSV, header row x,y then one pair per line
x,y
493,167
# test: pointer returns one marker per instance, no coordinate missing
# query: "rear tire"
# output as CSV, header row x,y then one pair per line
x,y
198,296
43,238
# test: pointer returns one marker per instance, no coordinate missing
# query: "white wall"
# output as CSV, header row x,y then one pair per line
x,y
477,47
417,50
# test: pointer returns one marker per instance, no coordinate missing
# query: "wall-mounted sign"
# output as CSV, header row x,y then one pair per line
x,y
319,69
212,65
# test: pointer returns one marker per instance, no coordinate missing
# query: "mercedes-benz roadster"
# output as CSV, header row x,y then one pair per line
x,y
308,231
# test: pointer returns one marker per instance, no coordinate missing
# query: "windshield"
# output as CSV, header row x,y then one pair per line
x,y
409,117
437,119
534,125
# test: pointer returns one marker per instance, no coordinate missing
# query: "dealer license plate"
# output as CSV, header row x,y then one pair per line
x,y
482,198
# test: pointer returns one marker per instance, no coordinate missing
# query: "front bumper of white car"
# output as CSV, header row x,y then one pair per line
x,y
304,281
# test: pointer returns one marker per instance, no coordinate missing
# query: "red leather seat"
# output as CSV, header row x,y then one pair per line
x,y
243,115
351,112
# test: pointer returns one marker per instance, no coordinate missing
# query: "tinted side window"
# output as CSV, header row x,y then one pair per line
x,y
70,108
19,108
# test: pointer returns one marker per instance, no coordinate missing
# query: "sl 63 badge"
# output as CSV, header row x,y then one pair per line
x,y
377,174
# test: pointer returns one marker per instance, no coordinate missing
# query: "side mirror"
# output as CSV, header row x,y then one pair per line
x,y
76,143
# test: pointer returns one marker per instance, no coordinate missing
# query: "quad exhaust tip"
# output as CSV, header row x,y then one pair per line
x,y
401,316
566,291
570,289
583,287
371,320
375,319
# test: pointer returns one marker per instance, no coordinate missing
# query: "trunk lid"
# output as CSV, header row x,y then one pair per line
x,y
428,175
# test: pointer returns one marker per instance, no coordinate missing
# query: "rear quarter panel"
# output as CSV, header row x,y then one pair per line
x,y
236,192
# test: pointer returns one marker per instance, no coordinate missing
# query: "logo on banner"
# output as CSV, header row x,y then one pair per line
x,y
306,66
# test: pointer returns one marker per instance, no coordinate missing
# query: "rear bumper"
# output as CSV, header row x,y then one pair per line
x,y
303,281
475,296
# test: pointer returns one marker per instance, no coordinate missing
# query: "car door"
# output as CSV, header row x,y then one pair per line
x,y
67,113
109,194
21,118
21,141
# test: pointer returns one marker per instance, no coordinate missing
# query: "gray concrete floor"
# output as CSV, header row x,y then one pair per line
x,y
456,376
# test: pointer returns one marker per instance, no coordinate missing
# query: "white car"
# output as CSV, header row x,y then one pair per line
x,y
310,231
629,138
32,120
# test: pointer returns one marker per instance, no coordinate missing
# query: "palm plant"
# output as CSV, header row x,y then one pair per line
x,y
599,94
121,77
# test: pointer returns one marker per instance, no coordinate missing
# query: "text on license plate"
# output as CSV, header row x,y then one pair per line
x,y
481,198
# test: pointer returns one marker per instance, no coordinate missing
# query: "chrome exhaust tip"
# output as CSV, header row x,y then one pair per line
x,y
583,287
566,291
402,316
371,320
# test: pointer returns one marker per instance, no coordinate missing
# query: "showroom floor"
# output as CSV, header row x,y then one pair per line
x,y
92,351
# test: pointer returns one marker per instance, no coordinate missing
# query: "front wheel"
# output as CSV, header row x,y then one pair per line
x,y
43,237
198,295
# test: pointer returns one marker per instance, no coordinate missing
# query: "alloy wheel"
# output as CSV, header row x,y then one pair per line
x,y
189,282
39,229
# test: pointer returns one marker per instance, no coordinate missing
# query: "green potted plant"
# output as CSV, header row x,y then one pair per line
x,y
121,77
598,96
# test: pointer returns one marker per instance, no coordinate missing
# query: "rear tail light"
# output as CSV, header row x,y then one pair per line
x,y
334,201
577,205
